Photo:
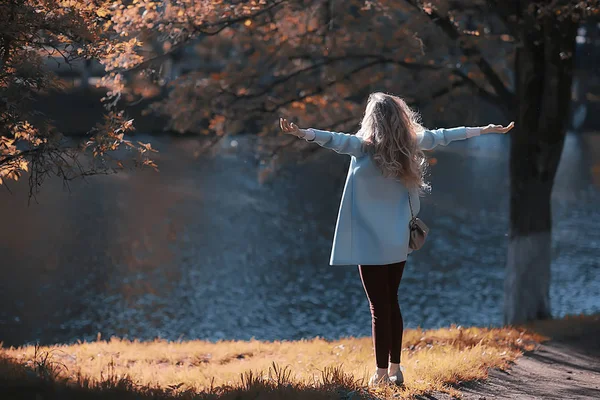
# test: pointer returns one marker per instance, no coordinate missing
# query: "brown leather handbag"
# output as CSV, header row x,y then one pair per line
x,y
418,230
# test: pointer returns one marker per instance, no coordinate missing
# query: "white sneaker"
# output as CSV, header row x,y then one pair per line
x,y
377,380
397,378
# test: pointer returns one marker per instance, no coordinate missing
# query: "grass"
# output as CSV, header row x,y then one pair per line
x,y
435,360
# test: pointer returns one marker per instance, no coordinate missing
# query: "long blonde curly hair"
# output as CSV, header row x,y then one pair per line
x,y
389,131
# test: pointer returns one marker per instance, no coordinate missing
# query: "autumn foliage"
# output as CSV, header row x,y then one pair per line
x,y
32,35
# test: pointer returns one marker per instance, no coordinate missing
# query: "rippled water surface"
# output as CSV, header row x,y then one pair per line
x,y
205,250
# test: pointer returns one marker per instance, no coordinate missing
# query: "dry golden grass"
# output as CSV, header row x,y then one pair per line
x,y
435,360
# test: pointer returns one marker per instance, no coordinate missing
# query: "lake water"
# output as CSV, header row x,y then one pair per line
x,y
207,249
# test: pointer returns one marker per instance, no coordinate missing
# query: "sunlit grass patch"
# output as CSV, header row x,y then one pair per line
x,y
435,360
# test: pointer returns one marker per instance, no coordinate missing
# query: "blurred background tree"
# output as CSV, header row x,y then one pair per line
x,y
216,68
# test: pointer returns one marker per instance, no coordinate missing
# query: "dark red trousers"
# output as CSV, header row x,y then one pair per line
x,y
381,284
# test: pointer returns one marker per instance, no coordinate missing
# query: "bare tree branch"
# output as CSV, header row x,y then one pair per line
x,y
447,25
201,29
377,60
494,99
506,10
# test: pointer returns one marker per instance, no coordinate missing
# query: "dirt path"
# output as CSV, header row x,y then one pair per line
x,y
566,368
554,371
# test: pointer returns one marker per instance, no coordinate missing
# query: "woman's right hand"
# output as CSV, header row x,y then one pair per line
x,y
491,128
290,128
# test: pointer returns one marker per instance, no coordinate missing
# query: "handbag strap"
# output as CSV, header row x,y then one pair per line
x,y
412,215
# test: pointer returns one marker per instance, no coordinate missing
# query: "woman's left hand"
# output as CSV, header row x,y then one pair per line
x,y
491,128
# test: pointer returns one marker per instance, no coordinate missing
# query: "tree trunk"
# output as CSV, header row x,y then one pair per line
x,y
544,66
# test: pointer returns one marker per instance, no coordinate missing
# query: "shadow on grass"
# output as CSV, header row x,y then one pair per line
x,y
40,380
576,335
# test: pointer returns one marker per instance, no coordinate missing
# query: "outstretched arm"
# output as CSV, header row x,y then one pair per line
x,y
338,142
429,139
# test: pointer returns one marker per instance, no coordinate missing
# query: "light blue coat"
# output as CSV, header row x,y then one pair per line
x,y
372,223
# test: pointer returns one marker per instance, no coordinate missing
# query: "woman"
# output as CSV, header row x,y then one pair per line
x,y
385,178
